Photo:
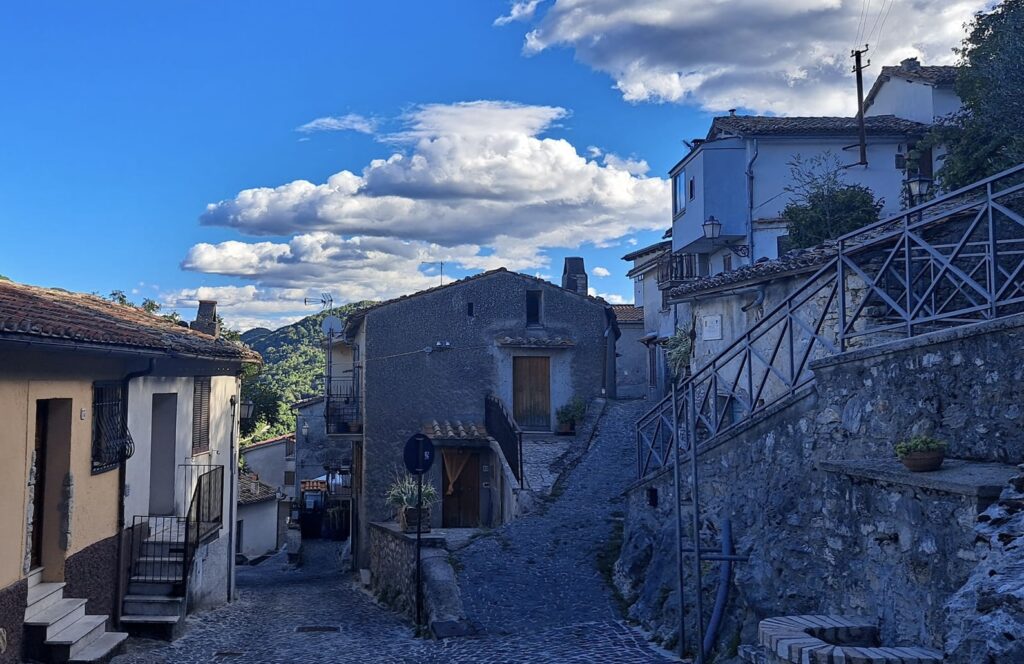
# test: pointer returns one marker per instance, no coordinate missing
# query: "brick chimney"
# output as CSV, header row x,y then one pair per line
x,y
910,64
574,275
206,318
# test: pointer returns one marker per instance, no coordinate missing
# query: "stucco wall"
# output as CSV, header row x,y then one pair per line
x,y
821,541
631,363
404,387
259,528
268,462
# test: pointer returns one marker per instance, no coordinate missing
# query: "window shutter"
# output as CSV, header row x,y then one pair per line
x,y
201,415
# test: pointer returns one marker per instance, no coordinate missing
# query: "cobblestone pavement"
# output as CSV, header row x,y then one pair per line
x,y
533,586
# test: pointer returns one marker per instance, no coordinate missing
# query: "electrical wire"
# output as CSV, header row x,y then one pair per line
x,y
878,39
861,22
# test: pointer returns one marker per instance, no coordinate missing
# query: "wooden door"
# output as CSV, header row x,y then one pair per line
x,y
460,499
39,489
531,392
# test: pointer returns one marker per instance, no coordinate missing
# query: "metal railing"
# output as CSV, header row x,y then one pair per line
x,y
953,261
675,268
343,405
205,514
502,426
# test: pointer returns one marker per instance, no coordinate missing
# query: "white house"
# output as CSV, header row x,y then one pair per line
x,y
257,521
914,92
658,323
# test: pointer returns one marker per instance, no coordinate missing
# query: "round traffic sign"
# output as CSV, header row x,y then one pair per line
x,y
419,454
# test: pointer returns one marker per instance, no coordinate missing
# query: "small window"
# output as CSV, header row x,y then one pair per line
x,y
111,442
201,415
533,307
678,194
727,263
469,309
289,477
289,448
692,188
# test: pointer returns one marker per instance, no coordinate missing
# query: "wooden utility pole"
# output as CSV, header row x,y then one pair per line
x,y
858,69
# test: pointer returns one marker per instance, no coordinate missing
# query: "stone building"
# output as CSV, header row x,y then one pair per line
x,y
631,353
467,363
116,423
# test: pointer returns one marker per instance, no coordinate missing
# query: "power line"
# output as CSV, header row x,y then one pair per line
x,y
862,22
878,39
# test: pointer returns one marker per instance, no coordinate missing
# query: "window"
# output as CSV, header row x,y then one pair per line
x,y
692,189
289,448
678,194
533,307
289,477
111,443
727,263
652,366
201,415
469,309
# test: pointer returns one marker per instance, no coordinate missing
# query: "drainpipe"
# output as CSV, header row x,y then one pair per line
x,y
757,301
750,202
121,482
232,499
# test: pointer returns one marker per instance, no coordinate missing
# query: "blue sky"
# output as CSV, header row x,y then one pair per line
x,y
123,121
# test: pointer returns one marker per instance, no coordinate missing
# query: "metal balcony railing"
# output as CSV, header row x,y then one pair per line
x,y
343,405
675,269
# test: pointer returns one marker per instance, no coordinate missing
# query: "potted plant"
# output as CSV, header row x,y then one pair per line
x,y
402,494
921,453
570,415
355,427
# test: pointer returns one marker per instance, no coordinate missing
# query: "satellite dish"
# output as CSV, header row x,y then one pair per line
x,y
332,326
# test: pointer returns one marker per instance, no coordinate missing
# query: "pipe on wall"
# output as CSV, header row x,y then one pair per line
x,y
750,202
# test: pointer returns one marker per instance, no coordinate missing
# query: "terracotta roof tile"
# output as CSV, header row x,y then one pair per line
x,y
536,342
30,312
628,313
251,490
455,429
762,125
270,441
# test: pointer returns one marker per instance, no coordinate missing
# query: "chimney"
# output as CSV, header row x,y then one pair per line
x,y
206,318
732,112
910,64
574,275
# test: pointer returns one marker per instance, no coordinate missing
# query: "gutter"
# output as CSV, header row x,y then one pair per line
x,y
104,349
121,481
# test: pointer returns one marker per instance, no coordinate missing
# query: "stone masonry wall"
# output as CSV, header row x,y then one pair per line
x,y
824,542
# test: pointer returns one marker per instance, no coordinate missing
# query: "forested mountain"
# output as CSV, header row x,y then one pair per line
x,y
293,369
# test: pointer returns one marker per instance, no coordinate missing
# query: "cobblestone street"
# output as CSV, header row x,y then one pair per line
x,y
533,586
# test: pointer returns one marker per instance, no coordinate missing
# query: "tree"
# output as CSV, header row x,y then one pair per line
x,y
824,206
987,135
119,297
150,306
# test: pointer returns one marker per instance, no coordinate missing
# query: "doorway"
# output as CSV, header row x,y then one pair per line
x,y
51,512
531,392
161,461
460,493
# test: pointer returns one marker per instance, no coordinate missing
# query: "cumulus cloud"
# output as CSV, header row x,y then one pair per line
x,y
610,298
350,122
780,57
477,185
521,10
601,272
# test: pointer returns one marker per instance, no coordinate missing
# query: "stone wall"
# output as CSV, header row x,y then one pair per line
x,y
823,536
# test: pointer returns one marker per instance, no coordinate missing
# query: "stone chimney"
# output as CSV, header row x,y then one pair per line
x,y
910,64
574,275
206,318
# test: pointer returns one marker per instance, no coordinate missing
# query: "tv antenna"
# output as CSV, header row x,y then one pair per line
x,y
325,301
439,263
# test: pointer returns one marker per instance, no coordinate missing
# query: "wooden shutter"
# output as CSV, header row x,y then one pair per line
x,y
201,415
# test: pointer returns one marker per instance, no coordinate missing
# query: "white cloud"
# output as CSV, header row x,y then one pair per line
x,y
477,185
601,272
349,122
781,57
610,298
521,10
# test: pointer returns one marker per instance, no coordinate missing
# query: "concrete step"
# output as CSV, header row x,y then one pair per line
x,y
35,576
159,577
56,617
152,605
167,628
164,589
42,595
170,565
76,637
102,649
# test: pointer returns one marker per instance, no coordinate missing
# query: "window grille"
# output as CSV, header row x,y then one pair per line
x,y
111,442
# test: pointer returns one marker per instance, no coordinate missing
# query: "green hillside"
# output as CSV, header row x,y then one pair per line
x,y
293,369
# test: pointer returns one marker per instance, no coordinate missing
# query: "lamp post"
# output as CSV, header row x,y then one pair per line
x,y
245,410
918,188
712,228
305,430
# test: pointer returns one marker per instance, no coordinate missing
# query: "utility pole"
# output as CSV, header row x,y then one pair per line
x,y
858,69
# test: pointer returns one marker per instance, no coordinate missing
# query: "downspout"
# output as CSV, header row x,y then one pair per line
x,y
750,202
121,483
757,301
232,499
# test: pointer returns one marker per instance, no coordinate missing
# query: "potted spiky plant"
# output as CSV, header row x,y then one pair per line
x,y
403,494
921,454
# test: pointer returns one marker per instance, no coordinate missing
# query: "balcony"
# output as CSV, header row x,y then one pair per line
x,y
678,268
343,406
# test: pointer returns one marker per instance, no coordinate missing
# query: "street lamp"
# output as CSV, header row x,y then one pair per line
x,y
305,430
918,187
245,412
712,228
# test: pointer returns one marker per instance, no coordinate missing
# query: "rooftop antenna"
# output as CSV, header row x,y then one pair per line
x,y
325,301
441,263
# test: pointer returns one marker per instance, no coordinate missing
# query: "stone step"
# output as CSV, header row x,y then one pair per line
x,y
102,648
42,595
35,576
76,637
135,618
56,617
165,589
152,605
167,628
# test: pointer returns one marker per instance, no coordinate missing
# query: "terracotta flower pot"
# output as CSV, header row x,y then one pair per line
x,y
923,462
408,516
355,427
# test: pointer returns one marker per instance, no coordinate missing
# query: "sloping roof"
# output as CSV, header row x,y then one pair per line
x,y
909,71
762,125
252,491
355,318
73,319
536,342
270,441
455,430
650,249
308,401
628,313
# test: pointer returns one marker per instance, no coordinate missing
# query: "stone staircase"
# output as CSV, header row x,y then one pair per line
x,y
57,629
155,605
